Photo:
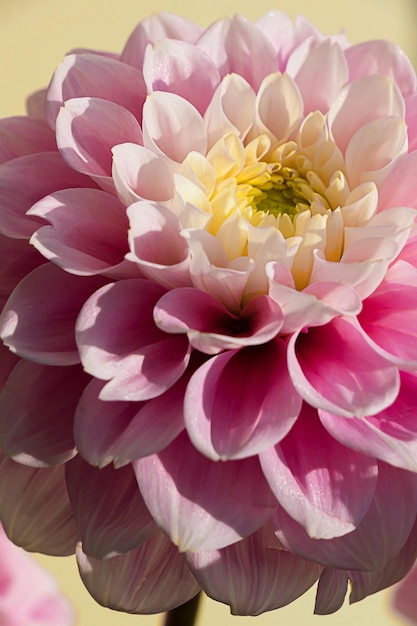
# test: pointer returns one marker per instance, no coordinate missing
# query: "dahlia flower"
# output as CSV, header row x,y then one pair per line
x,y
209,328
28,594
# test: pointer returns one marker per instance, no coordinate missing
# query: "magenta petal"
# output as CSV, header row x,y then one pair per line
x,y
378,538
37,408
87,233
8,360
18,258
111,515
88,128
331,591
150,579
203,505
254,575
361,382
119,342
38,320
23,182
121,432
96,76
35,510
21,135
315,479
241,402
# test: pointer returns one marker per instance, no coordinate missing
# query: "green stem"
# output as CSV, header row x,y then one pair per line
x,y
183,615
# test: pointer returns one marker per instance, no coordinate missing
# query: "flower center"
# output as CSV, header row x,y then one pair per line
x,y
281,193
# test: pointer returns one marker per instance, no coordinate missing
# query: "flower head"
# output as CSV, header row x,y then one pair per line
x,y
210,301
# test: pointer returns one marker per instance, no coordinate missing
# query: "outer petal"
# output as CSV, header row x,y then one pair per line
x,y
87,233
206,509
331,591
361,381
96,76
111,515
38,320
254,575
118,341
150,579
379,537
398,188
316,480
18,258
37,413
35,510
241,402
22,135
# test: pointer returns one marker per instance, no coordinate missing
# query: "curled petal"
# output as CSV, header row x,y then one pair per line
x,y
205,509
279,106
152,578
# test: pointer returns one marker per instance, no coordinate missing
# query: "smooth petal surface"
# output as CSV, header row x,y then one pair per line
x,y
37,408
208,509
254,575
150,579
18,258
21,135
315,479
35,510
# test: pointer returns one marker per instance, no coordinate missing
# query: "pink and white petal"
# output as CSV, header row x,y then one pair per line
x,y
182,68
362,382
328,59
411,121
95,76
156,27
374,148
331,591
138,174
23,135
241,402
87,233
222,116
278,28
88,128
26,180
35,510
379,537
153,578
315,479
206,509
362,101
391,435
111,515
18,258
381,57
121,432
279,107
118,341
254,575
38,320
210,326
37,408
172,127
157,245
398,188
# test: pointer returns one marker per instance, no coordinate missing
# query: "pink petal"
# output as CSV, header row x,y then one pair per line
x,y
38,320
111,515
315,479
172,127
331,591
253,575
381,57
24,135
361,383
121,432
23,182
35,510
182,68
37,413
241,402
378,538
18,258
157,245
278,27
87,233
156,27
203,505
119,342
398,188
150,579
390,435
36,104
8,360
95,76
279,106
411,121
88,128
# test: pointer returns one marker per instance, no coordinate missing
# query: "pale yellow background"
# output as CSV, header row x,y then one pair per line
x,y
34,36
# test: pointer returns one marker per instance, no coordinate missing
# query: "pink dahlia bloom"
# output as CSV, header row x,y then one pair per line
x,y
210,314
28,594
